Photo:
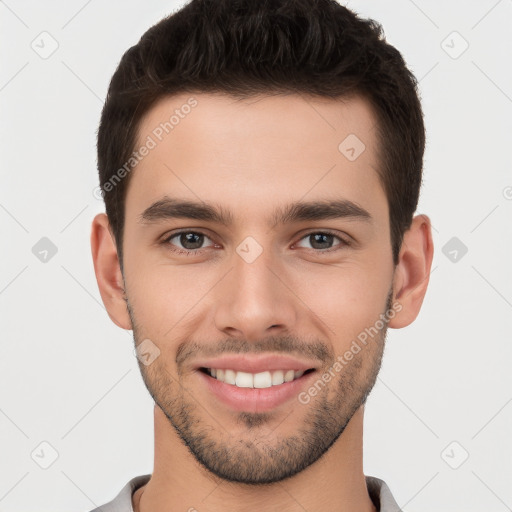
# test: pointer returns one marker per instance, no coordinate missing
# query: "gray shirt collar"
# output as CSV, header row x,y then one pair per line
x,y
378,490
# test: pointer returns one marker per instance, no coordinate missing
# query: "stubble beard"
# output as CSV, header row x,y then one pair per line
x,y
258,456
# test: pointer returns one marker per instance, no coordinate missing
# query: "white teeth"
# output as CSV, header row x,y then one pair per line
x,y
277,377
230,377
255,380
262,380
244,380
288,376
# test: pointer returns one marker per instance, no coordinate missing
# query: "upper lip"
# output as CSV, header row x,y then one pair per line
x,y
256,364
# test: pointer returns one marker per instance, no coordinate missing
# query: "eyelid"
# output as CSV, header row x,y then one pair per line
x,y
169,236
344,241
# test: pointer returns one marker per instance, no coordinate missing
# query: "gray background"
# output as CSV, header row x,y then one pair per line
x,y
68,375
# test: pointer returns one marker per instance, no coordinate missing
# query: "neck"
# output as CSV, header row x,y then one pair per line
x,y
334,482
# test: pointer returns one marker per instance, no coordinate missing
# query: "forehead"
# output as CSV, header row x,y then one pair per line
x,y
206,146
290,118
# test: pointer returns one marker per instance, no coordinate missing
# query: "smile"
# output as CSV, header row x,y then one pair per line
x,y
265,379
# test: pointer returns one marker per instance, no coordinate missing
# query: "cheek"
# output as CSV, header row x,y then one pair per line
x,y
164,296
348,298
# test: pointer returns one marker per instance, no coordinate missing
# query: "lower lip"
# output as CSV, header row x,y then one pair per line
x,y
255,399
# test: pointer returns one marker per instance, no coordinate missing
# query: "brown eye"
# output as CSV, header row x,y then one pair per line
x,y
322,241
187,241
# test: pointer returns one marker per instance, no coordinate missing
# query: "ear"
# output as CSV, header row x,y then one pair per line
x,y
412,272
108,271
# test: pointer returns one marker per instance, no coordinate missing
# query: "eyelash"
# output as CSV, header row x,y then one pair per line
x,y
192,252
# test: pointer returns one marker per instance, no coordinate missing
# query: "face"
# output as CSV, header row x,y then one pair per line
x,y
257,240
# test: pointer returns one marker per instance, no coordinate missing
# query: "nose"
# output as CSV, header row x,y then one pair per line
x,y
253,300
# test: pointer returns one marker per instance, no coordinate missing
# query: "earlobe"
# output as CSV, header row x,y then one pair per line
x,y
108,271
412,272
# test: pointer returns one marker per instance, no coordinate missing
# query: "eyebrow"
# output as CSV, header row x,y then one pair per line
x,y
172,208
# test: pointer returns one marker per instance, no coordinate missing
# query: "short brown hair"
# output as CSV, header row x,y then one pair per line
x,y
248,47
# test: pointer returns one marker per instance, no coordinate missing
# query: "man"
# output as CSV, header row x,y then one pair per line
x,y
260,164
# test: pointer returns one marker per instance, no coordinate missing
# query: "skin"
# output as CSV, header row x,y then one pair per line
x,y
251,157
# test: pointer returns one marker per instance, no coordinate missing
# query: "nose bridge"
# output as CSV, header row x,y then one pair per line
x,y
253,299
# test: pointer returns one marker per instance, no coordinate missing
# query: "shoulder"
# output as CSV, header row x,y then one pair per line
x,y
123,501
381,495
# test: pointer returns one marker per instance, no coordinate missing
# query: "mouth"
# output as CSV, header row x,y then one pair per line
x,y
254,392
260,380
